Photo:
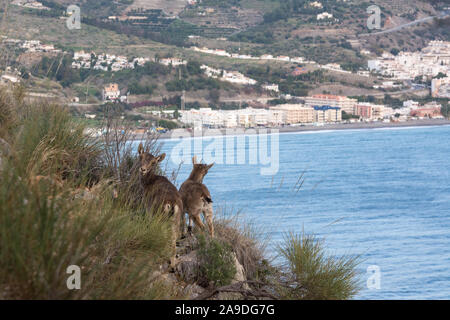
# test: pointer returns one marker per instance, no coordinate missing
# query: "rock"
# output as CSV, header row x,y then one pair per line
x,y
228,296
187,244
166,283
167,279
240,273
155,275
192,291
187,267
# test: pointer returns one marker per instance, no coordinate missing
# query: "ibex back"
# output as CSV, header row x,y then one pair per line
x,y
160,194
196,197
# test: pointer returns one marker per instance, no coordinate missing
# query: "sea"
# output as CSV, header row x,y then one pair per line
x,y
380,194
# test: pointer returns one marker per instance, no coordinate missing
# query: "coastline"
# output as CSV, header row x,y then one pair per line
x,y
309,128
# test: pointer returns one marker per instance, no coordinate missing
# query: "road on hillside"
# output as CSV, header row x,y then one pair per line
x,y
442,15
399,92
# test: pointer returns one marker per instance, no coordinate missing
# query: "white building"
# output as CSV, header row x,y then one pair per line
x,y
229,76
7,78
324,15
411,104
316,4
173,61
429,62
249,117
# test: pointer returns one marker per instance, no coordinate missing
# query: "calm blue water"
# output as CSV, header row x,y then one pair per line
x,y
384,194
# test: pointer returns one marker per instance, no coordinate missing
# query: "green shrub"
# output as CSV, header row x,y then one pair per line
x,y
216,261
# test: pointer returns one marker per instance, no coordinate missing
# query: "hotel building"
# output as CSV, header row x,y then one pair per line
x,y
346,104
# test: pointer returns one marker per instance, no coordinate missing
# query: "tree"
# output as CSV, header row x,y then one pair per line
x,y
445,110
440,76
348,116
214,96
395,51
193,67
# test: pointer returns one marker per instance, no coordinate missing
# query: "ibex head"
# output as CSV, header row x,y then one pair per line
x,y
149,162
199,170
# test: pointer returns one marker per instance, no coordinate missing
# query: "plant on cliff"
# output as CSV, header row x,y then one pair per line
x,y
311,274
216,261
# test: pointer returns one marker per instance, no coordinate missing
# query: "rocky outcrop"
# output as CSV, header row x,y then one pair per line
x,y
185,276
187,267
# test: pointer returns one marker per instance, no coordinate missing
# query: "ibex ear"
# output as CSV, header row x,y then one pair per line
x,y
210,166
161,157
140,149
194,160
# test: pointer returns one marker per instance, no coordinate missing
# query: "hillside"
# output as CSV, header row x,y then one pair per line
x,y
254,27
274,26
291,28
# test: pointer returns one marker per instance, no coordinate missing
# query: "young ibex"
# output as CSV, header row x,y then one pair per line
x,y
196,197
161,194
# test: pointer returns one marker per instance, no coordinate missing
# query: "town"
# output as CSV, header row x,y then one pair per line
x,y
431,64
317,110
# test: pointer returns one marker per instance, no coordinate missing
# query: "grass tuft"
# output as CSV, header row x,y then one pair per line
x,y
313,275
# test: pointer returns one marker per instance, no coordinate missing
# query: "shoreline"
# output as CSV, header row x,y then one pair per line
x,y
171,135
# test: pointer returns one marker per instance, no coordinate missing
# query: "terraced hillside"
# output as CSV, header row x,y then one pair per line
x,y
171,7
253,27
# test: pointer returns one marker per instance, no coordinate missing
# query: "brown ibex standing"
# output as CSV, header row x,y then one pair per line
x,y
196,197
161,194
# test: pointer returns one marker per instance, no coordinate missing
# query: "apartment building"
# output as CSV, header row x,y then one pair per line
x,y
364,111
111,92
277,117
295,113
249,117
427,112
345,104
372,111
440,88
380,112
327,114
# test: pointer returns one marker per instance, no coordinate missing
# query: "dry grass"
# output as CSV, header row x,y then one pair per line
x,y
247,243
52,216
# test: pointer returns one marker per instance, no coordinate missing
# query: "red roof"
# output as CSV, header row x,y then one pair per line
x,y
299,71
